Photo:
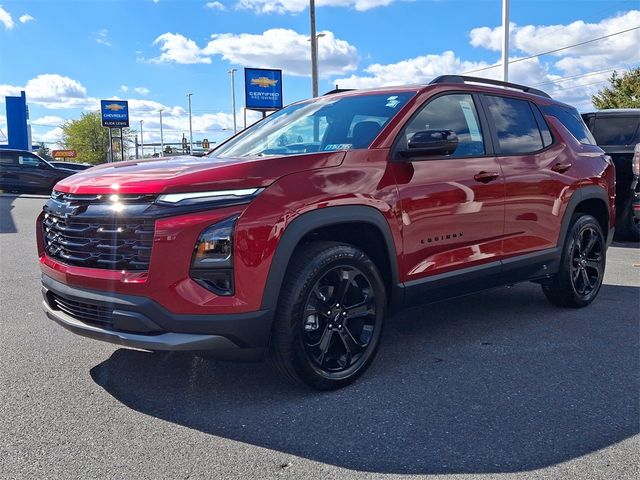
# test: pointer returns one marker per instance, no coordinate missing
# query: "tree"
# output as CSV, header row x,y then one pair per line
x,y
44,151
90,138
623,91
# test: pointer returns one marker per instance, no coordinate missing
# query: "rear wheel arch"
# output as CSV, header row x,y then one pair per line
x,y
589,200
338,219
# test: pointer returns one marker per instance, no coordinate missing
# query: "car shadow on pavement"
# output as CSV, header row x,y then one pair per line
x,y
494,382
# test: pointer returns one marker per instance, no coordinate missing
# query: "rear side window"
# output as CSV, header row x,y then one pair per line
x,y
7,159
545,133
612,130
516,127
455,112
572,121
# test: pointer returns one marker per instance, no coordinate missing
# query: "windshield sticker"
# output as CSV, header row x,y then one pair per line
x,y
474,131
392,102
339,146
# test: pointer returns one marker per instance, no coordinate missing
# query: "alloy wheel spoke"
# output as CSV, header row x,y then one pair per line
x,y
324,344
595,264
592,243
576,274
321,302
585,278
351,346
343,287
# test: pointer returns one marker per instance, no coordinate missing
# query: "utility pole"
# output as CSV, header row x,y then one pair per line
x,y
233,98
505,40
314,49
190,128
161,135
141,141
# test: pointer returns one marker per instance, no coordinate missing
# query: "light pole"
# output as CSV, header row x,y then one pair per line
x,y
233,97
505,40
141,141
161,135
314,48
190,128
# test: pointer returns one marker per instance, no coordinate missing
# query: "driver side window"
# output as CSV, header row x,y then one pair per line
x,y
455,112
30,161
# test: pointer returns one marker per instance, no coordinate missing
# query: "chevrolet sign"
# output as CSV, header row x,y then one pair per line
x,y
115,113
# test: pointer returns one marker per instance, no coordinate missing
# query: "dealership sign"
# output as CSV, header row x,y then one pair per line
x,y
263,89
64,153
115,113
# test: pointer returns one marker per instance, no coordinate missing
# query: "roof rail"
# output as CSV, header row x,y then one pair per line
x,y
338,90
463,79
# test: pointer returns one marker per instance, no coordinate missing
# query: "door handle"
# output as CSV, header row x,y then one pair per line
x,y
485,177
561,167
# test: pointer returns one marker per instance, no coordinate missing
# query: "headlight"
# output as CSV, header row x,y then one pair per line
x,y
212,263
219,195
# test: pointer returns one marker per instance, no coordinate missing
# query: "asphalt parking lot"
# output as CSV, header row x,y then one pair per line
x,y
494,385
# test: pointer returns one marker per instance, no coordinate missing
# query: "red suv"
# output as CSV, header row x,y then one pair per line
x,y
297,237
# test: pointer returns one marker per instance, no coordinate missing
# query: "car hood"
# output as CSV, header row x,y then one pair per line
x,y
191,174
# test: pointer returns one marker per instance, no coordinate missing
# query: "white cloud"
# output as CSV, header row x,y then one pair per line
x,y
286,49
297,6
141,90
124,88
534,39
178,49
48,120
26,18
5,19
102,37
215,6
53,91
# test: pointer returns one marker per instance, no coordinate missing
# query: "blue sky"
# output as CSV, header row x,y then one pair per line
x,y
69,54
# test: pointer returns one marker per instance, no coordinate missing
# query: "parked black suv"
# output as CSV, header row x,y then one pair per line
x,y
617,132
26,172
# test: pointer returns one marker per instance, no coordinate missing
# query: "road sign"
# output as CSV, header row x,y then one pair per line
x,y
262,89
205,143
115,113
64,153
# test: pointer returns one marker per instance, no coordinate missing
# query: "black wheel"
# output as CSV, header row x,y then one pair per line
x,y
582,265
329,317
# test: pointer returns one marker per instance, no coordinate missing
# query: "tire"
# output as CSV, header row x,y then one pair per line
x,y
627,227
329,317
581,267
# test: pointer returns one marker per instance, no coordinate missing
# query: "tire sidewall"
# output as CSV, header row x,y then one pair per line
x,y
325,262
578,226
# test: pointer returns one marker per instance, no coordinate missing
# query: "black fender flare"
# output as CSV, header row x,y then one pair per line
x,y
324,217
580,195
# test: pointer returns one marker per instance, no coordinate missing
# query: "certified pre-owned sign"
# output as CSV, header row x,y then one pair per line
x,y
263,89
115,113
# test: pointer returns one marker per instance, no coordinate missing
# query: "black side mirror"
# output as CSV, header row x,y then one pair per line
x,y
430,143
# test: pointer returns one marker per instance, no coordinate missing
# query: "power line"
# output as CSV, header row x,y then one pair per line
x,y
554,50
588,74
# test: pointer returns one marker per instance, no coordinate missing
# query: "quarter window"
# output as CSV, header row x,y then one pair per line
x,y
516,127
456,112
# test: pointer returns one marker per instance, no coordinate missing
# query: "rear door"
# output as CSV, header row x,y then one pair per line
x,y
9,171
535,174
36,174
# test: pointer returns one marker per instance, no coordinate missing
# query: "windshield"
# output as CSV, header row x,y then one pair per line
x,y
323,124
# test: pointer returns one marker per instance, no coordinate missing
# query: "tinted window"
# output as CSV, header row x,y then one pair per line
x,y
7,158
322,124
30,161
547,139
451,112
572,121
615,130
515,125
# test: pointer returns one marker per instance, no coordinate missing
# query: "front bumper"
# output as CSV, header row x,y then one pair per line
x,y
139,322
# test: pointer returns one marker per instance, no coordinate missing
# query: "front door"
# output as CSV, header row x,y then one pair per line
x,y
452,206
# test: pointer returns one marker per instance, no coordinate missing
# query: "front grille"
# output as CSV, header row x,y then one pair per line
x,y
107,242
97,315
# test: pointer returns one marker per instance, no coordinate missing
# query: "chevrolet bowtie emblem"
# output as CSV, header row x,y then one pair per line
x,y
114,107
263,82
